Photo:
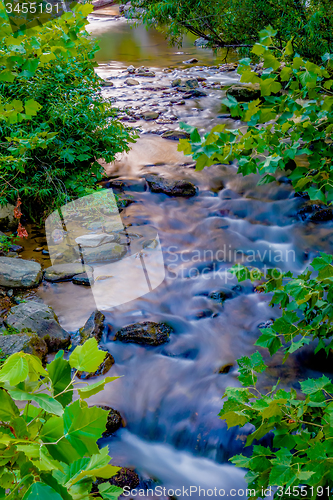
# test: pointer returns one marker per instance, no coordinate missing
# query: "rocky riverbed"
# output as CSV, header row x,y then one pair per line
x,y
175,343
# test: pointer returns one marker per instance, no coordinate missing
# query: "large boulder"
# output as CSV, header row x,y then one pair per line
x,y
29,343
245,93
7,219
147,333
125,477
34,317
171,187
95,240
19,273
65,272
93,327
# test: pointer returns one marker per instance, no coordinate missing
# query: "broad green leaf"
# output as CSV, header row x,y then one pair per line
x,y
60,375
109,492
311,386
32,107
234,418
41,491
87,357
15,369
45,401
83,426
91,389
8,409
53,432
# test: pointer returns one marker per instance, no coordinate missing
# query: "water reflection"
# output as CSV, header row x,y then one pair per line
x,y
121,41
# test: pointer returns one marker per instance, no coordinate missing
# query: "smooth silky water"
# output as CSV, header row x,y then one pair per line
x,y
170,396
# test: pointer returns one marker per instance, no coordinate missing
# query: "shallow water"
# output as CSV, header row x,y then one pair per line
x,y
170,395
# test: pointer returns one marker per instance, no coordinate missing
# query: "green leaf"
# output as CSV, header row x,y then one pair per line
x,y
234,418
83,426
109,492
45,401
91,389
311,386
41,491
8,409
60,375
87,357
15,369
53,432
32,107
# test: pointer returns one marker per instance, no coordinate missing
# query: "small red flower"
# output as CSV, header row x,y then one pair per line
x,y
17,210
21,231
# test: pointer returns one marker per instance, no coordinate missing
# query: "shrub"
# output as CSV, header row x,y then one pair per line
x,y
293,117
54,123
48,445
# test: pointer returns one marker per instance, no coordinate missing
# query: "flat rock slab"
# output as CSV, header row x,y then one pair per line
x,y
38,318
65,272
158,184
147,333
110,252
19,273
94,240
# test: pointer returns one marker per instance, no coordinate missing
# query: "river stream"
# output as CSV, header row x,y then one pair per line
x,y
170,395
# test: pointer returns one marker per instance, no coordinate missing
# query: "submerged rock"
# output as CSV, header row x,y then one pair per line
x,y
175,135
19,273
192,83
194,93
245,93
176,82
35,317
65,272
83,279
150,115
322,215
131,82
221,295
147,333
114,421
93,327
158,184
191,61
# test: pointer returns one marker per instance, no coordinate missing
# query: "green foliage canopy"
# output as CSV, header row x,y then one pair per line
x,y
292,118
238,22
54,123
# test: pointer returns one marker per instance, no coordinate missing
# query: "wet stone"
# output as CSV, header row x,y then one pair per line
x,y
125,477
131,82
131,69
93,327
194,93
191,61
176,82
19,273
114,421
245,93
171,187
192,83
146,333
150,115
65,272
221,295
322,215
83,279
175,135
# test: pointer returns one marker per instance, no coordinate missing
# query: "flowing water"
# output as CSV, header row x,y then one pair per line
x,y
170,395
